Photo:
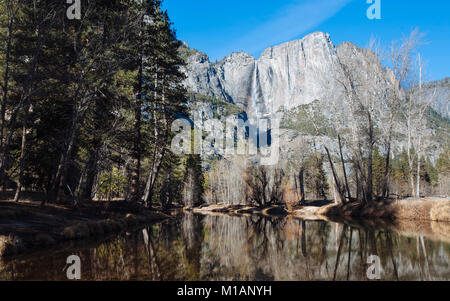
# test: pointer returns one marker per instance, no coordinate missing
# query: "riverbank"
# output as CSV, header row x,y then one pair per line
x,y
308,211
274,210
423,209
428,217
426,209
26,227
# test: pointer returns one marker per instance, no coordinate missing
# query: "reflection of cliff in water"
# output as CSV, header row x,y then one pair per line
x,y
290,249
243,248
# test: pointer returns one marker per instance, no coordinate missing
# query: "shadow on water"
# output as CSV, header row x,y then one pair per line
x,y
242,248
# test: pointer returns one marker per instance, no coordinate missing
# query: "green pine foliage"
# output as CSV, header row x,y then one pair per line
x,y
316,181
91,100
378,169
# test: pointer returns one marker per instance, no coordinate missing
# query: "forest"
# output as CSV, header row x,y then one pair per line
x,y
86,105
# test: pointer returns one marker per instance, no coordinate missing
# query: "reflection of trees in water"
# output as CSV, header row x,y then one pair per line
x,y
192,235
397,255
237,248
225,256
290,249
265,233
267,249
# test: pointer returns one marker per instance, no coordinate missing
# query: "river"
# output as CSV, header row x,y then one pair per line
x,y
194,247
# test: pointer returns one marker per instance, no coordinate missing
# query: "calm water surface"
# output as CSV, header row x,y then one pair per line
x,y
242,248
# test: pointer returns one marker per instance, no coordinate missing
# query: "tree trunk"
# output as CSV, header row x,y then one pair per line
x,y
150,186
344,170
59,181
22,162
358,187
411,182
65,165
418,176
302,185
159,151
137,151
336,180
386,191
92,170
60,178
369,184
410,159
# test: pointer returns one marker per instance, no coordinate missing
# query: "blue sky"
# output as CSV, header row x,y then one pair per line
x,y
219,27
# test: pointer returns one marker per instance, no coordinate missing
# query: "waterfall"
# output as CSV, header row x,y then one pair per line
x,y
258,102
254,91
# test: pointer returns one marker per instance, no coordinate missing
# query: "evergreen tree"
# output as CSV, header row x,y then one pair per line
x,y
315,176
193,181
379,164
89,98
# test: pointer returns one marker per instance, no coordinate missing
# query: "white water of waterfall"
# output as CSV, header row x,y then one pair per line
x,y
254,112
254,92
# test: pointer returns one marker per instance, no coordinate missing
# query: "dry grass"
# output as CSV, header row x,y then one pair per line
x,y
358,210
413,209
428,209
441,212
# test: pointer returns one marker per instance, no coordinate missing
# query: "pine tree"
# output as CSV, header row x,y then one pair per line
x,y
165,94
379,164
315,176
431,173
89,97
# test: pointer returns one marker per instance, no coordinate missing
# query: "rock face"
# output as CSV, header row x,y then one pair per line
x,y
283,76
292,74
301,84
439,94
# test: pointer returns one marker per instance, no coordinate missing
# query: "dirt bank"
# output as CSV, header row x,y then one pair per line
x,y
275,210
26,226
424,209
308,210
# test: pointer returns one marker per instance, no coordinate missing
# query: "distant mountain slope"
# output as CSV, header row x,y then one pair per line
x,y
300,82
439,93
283,77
